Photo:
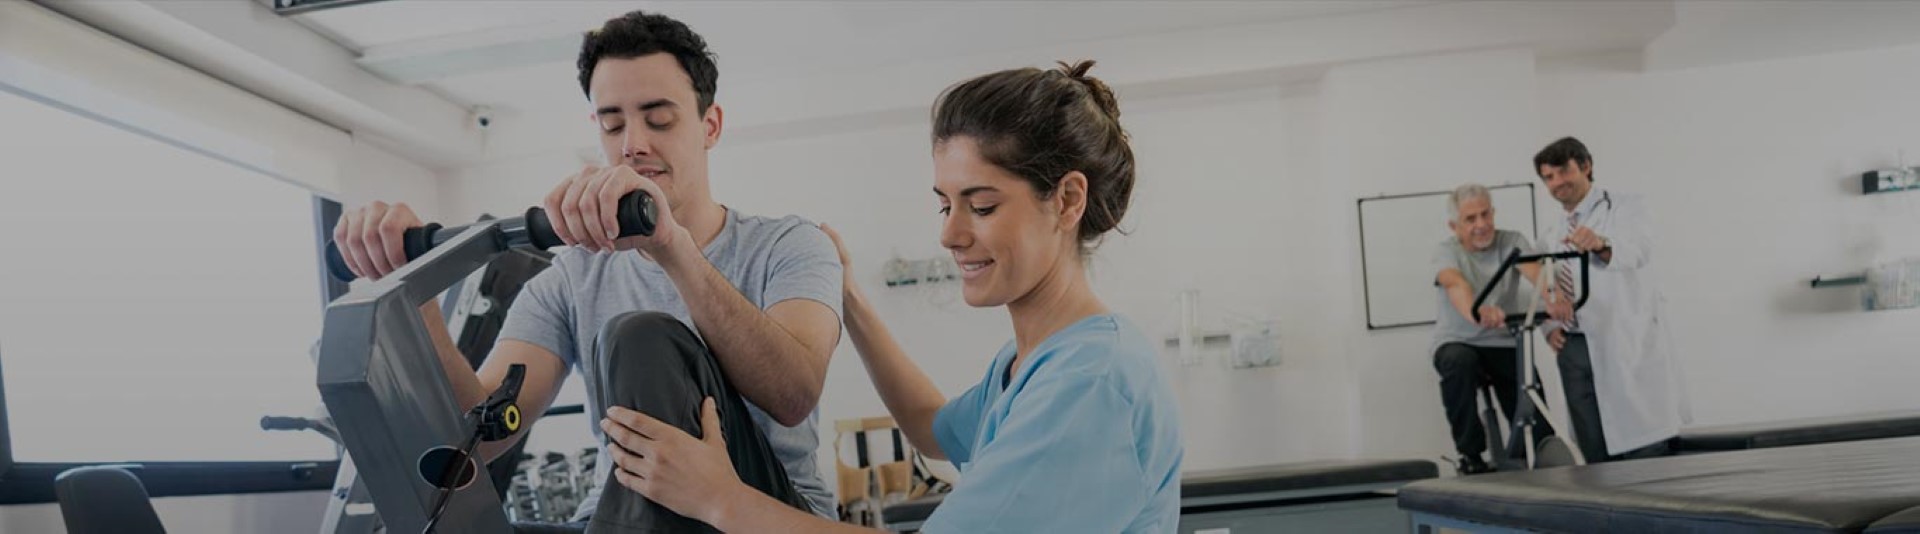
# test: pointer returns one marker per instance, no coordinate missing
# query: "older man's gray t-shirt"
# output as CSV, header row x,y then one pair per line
x,y
1478,268
769,260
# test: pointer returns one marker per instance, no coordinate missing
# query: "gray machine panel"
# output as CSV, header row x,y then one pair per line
x,y
382,382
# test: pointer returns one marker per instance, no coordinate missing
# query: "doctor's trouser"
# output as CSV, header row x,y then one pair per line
x,y
1583,406
652,363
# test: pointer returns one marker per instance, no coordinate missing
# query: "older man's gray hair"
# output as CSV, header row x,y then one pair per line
x,y
1462,194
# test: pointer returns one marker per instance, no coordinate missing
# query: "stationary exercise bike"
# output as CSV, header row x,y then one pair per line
x,y
409,463
1541,450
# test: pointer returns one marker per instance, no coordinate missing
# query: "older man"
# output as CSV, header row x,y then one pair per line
x,y
1466,352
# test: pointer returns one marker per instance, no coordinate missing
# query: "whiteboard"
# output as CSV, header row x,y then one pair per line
x,y
1397,237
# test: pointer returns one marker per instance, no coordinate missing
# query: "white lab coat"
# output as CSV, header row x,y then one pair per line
x,y
1638,384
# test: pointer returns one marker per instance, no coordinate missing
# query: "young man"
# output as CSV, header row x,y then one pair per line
x,y
715,303
1623,389
1465,351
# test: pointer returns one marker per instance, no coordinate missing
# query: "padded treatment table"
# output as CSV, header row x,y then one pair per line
x,y
908,515
1799,432
1905,522
1832,487
1330,496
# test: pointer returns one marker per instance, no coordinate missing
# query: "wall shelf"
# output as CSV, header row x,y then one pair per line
x,y
1207,339
1838,281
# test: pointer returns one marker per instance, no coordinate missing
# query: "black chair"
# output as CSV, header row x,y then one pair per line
x,y
105,500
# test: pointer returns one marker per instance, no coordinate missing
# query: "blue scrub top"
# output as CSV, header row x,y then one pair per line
x,y
1084,437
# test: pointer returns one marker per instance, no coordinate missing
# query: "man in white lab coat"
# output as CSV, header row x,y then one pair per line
x,y
1623,389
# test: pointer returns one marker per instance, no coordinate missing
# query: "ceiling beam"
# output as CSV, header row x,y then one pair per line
x,y
246,45
431,59
286,8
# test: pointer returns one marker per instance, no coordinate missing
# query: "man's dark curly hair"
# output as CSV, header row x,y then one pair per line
x,y
639,34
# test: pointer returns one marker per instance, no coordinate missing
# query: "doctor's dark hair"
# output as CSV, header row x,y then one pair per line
x,y
1040,125
639,34
1562,151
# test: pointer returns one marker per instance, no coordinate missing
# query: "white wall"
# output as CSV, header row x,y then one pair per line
x,y
372,173
53,59
377,174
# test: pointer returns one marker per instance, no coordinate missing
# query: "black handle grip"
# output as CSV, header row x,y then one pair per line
x,y
1514,259
416,242
636,214
273,422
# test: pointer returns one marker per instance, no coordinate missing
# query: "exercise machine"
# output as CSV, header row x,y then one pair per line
x,y
382,383
1541,451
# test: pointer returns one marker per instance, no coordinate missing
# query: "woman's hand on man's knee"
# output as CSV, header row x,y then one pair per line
x,y
692,476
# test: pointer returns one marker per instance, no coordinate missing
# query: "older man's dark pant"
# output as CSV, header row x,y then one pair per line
x,y
1463,369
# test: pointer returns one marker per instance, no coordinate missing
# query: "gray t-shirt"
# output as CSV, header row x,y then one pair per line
x,y
1478,268
769,260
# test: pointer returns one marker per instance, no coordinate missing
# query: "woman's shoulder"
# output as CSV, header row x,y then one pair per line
x,y
1101,346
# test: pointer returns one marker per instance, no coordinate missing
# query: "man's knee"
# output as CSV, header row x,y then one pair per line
x,y
1456,359
640,326
647,348
647,333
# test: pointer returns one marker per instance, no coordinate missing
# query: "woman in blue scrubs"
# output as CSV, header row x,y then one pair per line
x,y
1072,428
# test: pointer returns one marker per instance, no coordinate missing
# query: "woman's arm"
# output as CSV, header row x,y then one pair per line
x,y
909,395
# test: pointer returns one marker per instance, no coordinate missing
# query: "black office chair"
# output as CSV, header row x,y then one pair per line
x,y
105,500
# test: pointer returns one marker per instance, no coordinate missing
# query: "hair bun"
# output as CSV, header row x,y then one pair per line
x,y
1102,95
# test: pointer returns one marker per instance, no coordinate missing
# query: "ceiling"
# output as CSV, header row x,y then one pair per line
x,y
408,74
517,56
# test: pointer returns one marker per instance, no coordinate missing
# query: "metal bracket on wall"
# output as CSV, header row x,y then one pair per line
x,y
1837,281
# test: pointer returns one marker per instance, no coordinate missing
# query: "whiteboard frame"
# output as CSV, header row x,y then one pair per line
x,y
1360,211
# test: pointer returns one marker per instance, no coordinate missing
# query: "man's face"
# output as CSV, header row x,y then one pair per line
x,y
1474,226
649,119
1567,182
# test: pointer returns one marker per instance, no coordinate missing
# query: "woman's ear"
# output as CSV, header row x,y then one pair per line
x,y
1070,197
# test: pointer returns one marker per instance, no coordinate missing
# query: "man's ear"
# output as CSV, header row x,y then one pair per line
x,y
712,120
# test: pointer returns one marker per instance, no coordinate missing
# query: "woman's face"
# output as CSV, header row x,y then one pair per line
x,y
1006,238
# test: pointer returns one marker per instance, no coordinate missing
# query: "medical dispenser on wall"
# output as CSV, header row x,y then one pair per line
x,y
1888,286
1887,180
1893,285
1247,342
